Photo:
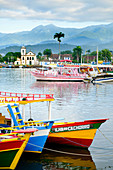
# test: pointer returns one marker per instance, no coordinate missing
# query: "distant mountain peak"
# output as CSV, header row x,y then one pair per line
x,y
90,36
42,27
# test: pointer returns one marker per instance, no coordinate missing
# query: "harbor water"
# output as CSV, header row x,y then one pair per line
x,y
73,102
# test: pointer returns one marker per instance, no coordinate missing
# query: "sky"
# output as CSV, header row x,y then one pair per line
x,y
24,15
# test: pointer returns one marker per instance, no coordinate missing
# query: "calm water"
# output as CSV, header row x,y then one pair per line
x,y
74,102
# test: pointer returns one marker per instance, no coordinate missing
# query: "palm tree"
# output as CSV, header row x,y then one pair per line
x,y
58,36
78,50
88,51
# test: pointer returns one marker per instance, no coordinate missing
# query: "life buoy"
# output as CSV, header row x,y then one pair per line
x,y
30,119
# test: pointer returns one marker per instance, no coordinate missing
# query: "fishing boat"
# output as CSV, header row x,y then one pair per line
x,y
98,73
66,73
38,139
77,134
12,145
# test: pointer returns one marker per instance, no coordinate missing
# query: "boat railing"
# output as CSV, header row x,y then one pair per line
x,y
17,97
11,133
28,124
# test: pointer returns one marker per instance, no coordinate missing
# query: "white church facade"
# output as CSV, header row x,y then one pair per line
x,y
26,58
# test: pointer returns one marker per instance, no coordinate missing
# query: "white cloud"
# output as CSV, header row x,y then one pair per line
x,y
73,10
53,11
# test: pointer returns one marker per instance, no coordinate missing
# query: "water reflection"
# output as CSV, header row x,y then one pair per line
x,y
61,89
66,159
73,102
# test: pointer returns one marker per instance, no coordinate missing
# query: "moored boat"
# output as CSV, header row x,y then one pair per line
x,y
78,134
98,73
12,146
59,74
38,139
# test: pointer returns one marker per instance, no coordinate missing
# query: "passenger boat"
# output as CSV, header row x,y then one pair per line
x,y
78,134
12,146
59,74
38,139
98,73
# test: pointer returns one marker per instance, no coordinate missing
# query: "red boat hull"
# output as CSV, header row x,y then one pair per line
x,y
78,134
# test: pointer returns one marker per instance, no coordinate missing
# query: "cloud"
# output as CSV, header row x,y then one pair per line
x,y
62,10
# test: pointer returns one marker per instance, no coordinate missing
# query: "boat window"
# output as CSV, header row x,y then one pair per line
x,y
95,69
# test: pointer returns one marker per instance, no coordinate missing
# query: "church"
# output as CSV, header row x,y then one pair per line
x,y
26,58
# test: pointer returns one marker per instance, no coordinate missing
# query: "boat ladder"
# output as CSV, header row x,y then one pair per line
x,y
14,113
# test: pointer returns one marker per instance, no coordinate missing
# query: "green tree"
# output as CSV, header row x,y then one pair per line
x,y
100,55
8,56
74,55
88,52
106,55
77,53
1,58
93,53
11,57
66,52
17,54
47,52
58,36
39,56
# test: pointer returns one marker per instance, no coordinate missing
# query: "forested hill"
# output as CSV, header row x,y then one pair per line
x,y
39,48
41,37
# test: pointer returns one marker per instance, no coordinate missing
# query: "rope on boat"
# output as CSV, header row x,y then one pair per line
x,y
68,153
86,145
71,141
105,136
58,151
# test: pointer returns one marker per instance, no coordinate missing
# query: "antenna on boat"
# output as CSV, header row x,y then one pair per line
x,y
81,58
97,55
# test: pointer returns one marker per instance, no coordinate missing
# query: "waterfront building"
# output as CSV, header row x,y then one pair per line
x,y
28,58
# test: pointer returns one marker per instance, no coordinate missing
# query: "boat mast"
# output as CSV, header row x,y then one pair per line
x,y
49,111
23,112
97,55
81,58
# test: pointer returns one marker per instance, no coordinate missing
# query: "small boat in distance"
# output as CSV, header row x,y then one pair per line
x,y
68,73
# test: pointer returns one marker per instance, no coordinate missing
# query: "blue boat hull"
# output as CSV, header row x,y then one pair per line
x,y
102,80
36,144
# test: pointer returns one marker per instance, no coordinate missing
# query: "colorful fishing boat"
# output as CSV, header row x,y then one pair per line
x,y
98,73
12,146
38,139
78,134
59,74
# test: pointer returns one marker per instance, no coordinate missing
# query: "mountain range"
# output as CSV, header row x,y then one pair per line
x,y
41,37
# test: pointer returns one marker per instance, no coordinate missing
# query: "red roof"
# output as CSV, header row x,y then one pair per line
x,y
65,60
